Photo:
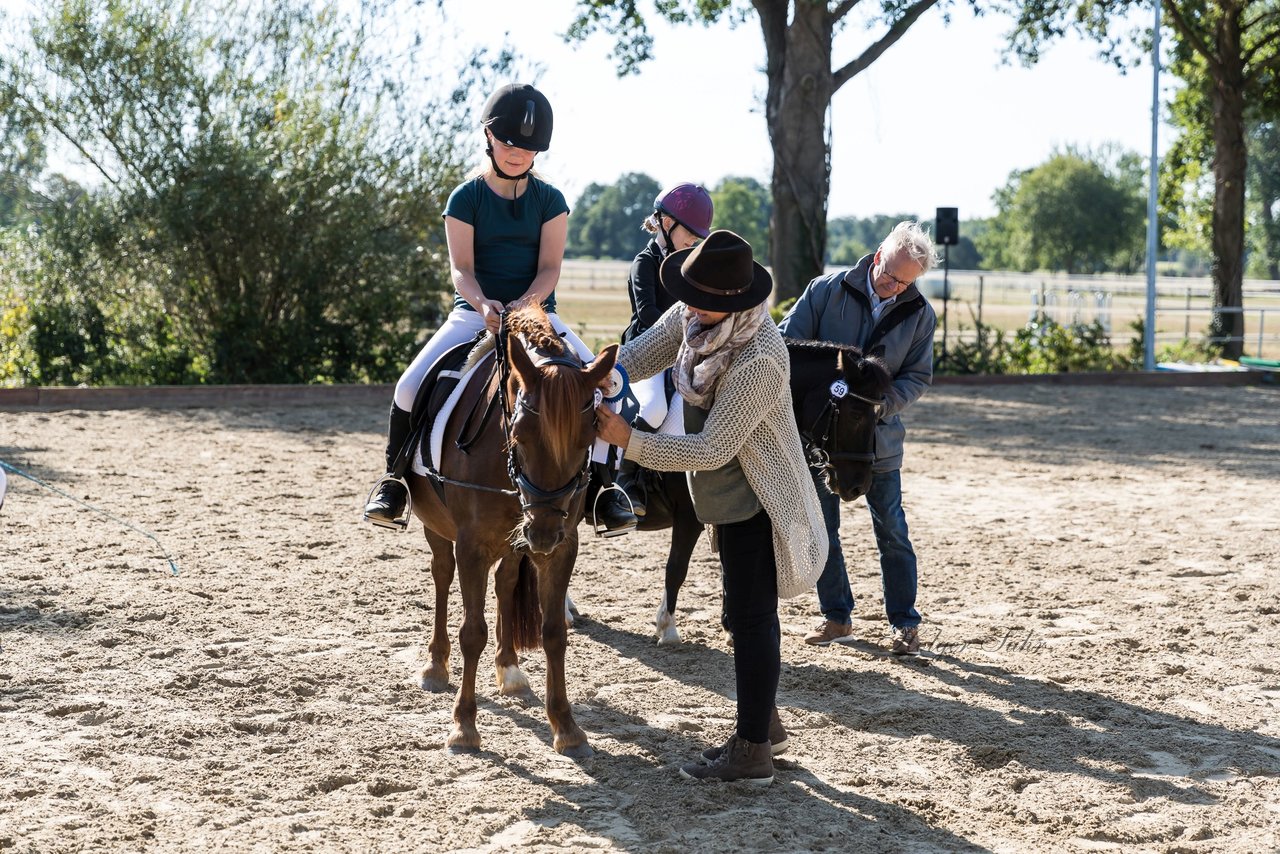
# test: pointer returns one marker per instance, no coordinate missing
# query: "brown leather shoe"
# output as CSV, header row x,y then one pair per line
x,y
777,740
906,641
829,631
742,761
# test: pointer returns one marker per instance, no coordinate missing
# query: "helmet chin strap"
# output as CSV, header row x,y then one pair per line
x,y
664,236
488,149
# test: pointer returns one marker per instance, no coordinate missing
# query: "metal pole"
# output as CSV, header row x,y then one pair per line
x,y
946,295
979,302
1149,351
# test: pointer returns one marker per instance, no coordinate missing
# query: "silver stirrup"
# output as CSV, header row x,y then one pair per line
x,y
600,529
401,522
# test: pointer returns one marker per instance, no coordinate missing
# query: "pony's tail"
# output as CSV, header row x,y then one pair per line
x,y
527,631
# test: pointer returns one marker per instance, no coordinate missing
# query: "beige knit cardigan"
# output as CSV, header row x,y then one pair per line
x,y
751,419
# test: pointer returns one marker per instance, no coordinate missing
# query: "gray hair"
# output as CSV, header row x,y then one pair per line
x,y
908,238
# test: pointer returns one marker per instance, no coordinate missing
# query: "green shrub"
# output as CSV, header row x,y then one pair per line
x,y
1043,346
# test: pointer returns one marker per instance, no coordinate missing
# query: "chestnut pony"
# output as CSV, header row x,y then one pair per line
x,y
509,491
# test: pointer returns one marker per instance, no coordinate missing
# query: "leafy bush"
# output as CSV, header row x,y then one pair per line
x,y
271,196
1043,346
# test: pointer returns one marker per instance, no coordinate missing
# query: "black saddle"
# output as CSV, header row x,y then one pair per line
x,y
441,379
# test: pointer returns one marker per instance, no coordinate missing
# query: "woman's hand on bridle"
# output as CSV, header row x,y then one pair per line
x,y
611,427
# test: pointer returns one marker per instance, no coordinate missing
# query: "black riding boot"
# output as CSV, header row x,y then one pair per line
x,y
388,501
611,507
629,479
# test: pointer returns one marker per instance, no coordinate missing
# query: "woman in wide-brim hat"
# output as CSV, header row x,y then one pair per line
x,y
747,471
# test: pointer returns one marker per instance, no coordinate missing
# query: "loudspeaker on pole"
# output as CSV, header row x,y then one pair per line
x,y
947,226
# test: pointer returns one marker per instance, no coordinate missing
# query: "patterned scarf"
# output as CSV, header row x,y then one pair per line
x,y
707,351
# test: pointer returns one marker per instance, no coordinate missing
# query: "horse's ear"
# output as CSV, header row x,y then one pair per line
x,y
603,364
842,364
521,365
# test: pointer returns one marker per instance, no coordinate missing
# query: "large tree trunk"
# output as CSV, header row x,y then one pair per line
x,y
800,90
1230,162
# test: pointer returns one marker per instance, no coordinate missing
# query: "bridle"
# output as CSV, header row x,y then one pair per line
x,y
820,439
523,485
530,494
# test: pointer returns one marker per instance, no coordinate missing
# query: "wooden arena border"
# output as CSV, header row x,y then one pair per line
x,y
179,397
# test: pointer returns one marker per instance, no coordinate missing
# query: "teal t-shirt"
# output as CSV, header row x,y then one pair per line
x,y
507,235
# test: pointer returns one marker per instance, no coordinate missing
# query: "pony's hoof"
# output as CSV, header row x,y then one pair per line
x,y
577,751
571,612
668,634
513,683
434,679
461,741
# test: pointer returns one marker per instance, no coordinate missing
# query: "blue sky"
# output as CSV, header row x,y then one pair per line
x,y
938,120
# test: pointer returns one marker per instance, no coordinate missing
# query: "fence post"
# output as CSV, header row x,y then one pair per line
x,y
1262,324
1186,327
979,302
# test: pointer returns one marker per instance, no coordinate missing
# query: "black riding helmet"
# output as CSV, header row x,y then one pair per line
x,y
519,115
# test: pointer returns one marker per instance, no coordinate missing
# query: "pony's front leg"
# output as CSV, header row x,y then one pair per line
x,y
435,676
472,637
568,737
510,678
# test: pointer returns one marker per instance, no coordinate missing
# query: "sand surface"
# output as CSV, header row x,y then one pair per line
x,y
1100,570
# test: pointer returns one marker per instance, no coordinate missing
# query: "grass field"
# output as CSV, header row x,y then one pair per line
x,y
592,297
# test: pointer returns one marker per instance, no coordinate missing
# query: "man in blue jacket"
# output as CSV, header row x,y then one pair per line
x,y
876,304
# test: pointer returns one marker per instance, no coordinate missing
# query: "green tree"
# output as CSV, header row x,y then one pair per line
x,y
801,80
1230,51
849,238
743,206
606,220
271,178
1071,213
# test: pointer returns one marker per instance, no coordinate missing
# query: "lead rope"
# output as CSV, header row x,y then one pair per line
x,y
173,566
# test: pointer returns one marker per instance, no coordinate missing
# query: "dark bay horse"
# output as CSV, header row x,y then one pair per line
x,y
512,485
837,394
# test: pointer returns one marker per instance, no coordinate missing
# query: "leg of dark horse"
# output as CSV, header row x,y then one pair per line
x,y
435,676
511,680
553,580
472,637
685,530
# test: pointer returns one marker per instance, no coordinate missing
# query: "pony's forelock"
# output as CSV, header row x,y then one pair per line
x,y
561,388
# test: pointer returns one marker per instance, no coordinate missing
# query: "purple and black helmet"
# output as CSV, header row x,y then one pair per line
x,y
688,204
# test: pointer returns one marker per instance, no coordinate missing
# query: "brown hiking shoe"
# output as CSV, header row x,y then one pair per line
x,y
829,631
741,761
777,740
906,641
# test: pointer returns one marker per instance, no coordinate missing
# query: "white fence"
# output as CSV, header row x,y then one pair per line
x,y
1184,306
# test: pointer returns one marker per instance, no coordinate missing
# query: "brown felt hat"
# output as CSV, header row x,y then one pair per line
x,y
719,274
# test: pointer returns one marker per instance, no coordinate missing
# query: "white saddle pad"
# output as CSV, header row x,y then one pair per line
x,y
417,466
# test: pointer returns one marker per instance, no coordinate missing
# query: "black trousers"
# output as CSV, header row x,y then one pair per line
x,y
751,611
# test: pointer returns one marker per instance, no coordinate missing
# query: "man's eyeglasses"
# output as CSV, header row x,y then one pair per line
x,y
895,279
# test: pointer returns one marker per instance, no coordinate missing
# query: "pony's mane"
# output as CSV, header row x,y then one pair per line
x,y
873,366
561,390
530,322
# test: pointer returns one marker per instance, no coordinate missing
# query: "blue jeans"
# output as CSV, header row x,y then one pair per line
x,y
897,558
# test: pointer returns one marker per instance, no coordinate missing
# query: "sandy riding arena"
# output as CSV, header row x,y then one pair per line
x,y
1100,583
